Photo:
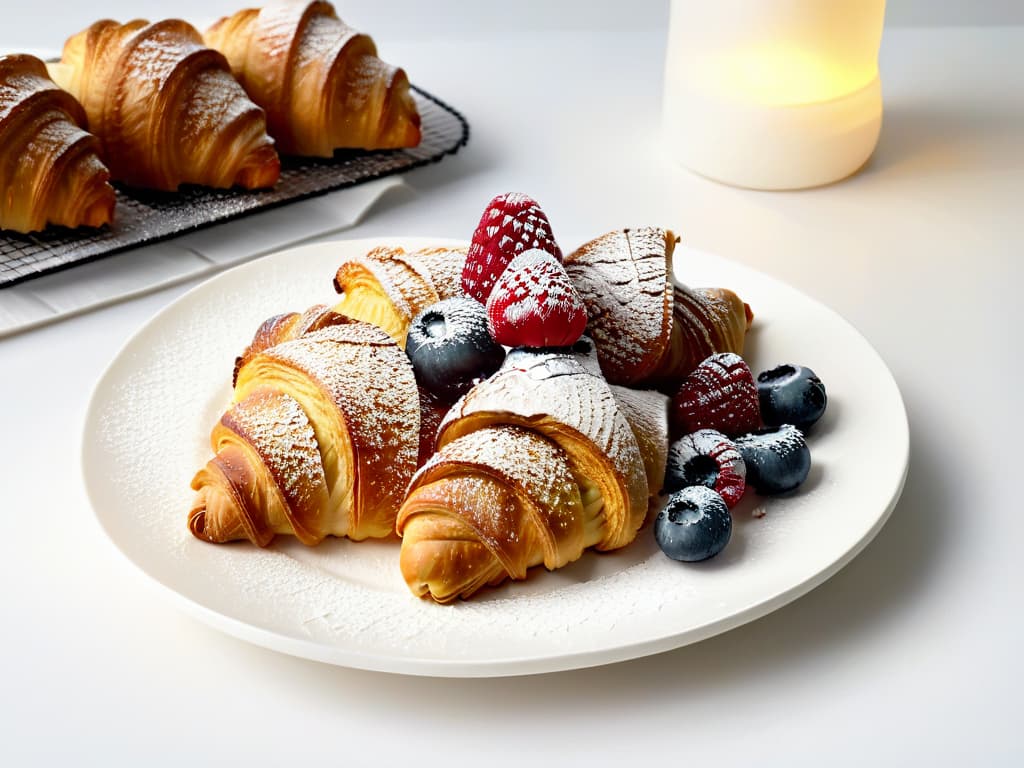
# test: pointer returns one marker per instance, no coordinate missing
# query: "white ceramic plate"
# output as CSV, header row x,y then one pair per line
x,y
146,433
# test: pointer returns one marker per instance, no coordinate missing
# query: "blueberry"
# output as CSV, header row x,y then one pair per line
x,y
694,525
708,458
777,458
450,347
791,394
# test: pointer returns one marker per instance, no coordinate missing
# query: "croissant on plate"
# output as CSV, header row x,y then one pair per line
x,y
165,107
389,287
322,440
648,331
319,80
50,170
533,466
291,325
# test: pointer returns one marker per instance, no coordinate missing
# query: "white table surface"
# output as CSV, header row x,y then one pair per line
x,y
909,656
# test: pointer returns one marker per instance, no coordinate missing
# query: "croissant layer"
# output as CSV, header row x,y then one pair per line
x,y
322,440
50,170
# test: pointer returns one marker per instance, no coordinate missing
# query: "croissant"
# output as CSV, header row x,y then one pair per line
x,y
649,332
322,439
291,325
533,466
166,108
319,80
50,170
389,287
285,327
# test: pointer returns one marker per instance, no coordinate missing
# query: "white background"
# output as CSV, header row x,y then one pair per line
x,y
47,25
912,655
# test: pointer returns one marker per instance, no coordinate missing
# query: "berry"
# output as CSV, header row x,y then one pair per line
x,y
707,458
450,348
512,224
777,459
719,394
791,394
694,525
534,304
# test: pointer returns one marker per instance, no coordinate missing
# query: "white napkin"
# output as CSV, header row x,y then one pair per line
x,y
140,270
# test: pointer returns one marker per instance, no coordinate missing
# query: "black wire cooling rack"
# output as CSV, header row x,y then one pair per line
x,y
145,217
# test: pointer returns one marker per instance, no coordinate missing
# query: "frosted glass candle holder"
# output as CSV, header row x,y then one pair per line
x,y
773,94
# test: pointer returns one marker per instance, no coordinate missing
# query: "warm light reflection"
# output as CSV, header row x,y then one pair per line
x,y
781,75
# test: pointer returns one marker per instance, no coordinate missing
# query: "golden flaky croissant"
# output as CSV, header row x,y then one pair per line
x,y
648,331
285,327
389,287
50,170
533,466
319,80
165,107
322,440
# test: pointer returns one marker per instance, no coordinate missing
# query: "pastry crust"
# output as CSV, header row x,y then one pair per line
x,y
323,440
623,277
50,170
389,287
534,465
320,81
558,397
165,107
488,506
285,327
648,331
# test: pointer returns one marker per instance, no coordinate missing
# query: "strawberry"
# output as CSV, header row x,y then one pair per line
x,y
534,304
720,394
513,223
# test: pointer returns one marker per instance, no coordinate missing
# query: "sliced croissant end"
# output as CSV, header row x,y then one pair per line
x,y
490,506
320,81
50,169
556,396
166,108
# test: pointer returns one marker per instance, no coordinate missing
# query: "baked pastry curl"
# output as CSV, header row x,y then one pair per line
x,y
50,170
165,107
389,287
650,332
533,466
320,81
322,440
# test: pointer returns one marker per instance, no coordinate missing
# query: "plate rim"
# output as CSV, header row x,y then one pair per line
x,y
451,668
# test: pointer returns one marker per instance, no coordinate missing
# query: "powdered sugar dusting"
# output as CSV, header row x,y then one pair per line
x,y
371,382
623,277
441,266
558,396
528,463
646,411
535,285
279,431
